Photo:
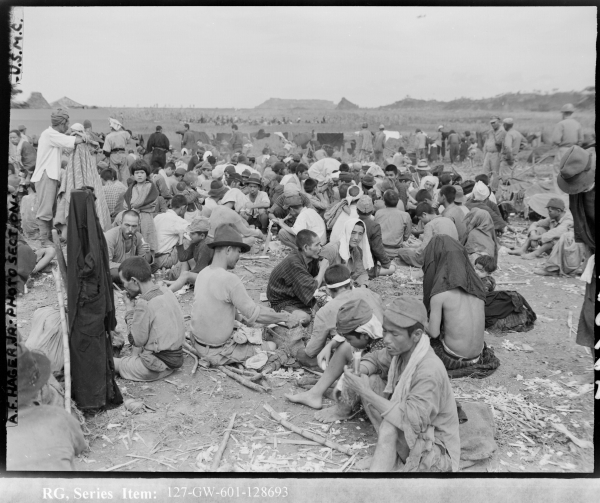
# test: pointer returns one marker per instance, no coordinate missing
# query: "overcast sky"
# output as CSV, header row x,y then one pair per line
x,y
240,57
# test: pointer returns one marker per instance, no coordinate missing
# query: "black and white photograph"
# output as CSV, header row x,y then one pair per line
x,y
275,252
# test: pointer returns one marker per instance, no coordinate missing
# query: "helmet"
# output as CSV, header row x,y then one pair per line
x,y
568,108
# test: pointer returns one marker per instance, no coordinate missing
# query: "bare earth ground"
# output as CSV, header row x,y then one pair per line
x,y
531,390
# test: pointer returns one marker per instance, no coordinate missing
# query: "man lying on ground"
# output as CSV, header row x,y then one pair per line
x,y
220,299
155,325
126,241
406,393
454,296
294,281
544,234
197,250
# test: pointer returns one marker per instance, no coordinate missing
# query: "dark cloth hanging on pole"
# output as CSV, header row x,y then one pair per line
x,y
91,307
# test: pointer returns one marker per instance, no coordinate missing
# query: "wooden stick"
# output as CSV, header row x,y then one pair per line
x,y
305,433
195,360
242,380
268,239
65,340
119,466
150,459
248,269
508,282
219,453
243,372
60,258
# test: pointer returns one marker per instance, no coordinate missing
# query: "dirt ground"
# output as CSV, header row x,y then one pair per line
x,y
179,431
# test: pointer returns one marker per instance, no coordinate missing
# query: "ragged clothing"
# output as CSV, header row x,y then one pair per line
x,y
292,282
508,310
482,366
117,248
555,228
480,238
422,405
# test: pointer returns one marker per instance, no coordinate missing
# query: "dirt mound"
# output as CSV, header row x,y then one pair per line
x,y
299,104
65,102
345,104
36,100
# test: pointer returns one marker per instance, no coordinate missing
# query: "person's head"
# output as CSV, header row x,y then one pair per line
x,y
344,168
186,126
343,190
108,175
483,178
481,191
567,110
308,243
170,168
159,129
179,204
429,185
329,151
234,127
134,272
254,184
140,170
242,159
130,223
228,245
424,212
423,195
405,180
337,279
294,205
212,160
302,172
14,136
60,121
508,123
310,185
495,122
404,322
190,179
23,129
391,171
390,198
198,229
266,151
445,179
351,320
180,173
556,208
485,265
234,180
356,236
364,206
446,195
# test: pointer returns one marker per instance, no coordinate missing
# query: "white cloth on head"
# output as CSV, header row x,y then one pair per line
x,y
206,155
323,168
480,191
429,178
350,198
77,127
376,171
115,124
364,245
372,328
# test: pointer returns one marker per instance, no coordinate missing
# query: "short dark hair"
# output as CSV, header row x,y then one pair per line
x,y
422,194
423,208
390,198
130,212
136,267
301,168
488,263
108,174
234,126
343,188
305,237
291,167
178,201
445,179
482,178
449,192
391,167
242,158
211,159
139,165
186,125
309,185
155,164
170,164
336,274
413,328
344,168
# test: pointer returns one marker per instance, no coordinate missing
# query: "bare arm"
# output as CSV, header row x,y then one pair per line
x,y
435,316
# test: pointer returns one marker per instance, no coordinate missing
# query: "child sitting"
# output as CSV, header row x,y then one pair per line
x,y
484,267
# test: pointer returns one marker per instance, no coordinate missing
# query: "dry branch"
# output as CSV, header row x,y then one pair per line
x,y
241,380
219,453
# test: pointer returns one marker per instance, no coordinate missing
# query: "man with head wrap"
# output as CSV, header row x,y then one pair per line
x,y
48,168
481,199
114,149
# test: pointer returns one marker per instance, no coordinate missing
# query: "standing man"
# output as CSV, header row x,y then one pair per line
x,y
237,140
510,149
379,145
421,144
491,149
365,142
188,141
453,145
568,132
158,145
47,170
114,149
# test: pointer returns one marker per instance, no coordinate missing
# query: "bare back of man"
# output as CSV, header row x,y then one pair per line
x,y
463,319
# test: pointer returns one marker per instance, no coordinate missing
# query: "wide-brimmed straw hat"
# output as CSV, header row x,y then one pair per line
x,y
576,173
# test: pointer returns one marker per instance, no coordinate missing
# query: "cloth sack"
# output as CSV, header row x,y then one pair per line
x,y
46,335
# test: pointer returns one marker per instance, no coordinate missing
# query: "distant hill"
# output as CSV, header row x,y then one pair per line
x,y
344,104
65,102
36,100
299,104
533,102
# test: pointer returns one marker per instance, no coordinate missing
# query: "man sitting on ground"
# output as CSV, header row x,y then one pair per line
x,y
257,205
393,182
545,233
339,287
170,227
220,299
395,224
446,197
236,199
433,225
365,209
305,218
454,296
154,324
481,199
294,281
126,241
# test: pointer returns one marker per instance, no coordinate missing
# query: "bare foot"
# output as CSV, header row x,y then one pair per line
x,y
307,398
332,414
529,256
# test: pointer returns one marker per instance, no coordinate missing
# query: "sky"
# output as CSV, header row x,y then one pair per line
x,y
239,57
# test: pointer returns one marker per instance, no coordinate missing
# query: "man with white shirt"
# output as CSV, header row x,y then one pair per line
x,y
170,227
241,165
114,147
306,218
234,196
47,170
325,167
